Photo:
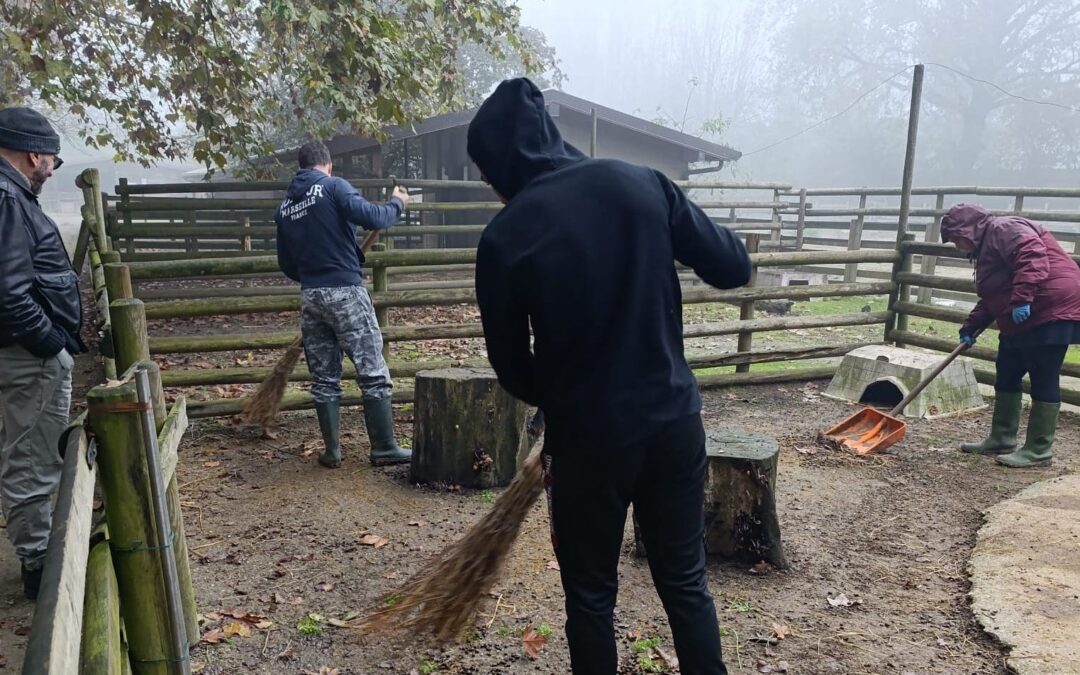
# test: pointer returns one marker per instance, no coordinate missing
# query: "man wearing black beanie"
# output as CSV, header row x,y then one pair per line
x,y
40,319
584,254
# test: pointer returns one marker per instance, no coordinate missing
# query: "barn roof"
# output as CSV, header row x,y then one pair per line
x,y
556,101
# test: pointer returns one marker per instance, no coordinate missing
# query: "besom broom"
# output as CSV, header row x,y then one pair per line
x,y
262,407
442,598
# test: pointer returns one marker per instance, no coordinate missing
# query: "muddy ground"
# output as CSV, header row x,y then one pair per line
x,y
277,536
279,562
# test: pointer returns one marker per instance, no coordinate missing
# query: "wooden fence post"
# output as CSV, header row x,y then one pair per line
x,y
929,262
380,281
118,281
903,290
132,345
800,229
855,235
899,294
125,201
98,203
746,310
777,225
125,484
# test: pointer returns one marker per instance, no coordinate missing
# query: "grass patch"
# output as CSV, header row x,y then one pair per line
x,y
310,625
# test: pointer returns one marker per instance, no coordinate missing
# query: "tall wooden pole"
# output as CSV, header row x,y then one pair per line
x,y
899,293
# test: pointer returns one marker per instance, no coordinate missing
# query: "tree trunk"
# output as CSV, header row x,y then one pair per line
x,y
740,500
468,430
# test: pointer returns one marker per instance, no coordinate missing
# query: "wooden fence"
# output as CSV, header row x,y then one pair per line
x,y
102,605
222,234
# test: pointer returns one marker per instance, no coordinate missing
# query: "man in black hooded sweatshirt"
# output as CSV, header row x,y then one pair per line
x,y
584,253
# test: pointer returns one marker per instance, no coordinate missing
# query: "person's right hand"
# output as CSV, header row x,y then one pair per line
x,y
402,194
968,339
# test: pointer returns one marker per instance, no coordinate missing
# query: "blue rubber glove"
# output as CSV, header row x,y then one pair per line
x,y
1021,314
968,339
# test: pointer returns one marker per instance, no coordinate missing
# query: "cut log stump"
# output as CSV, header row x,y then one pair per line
x,y
740,499
467,430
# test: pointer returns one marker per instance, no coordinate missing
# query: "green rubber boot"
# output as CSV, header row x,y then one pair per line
x,y
379,418
330,426
1003,428
1038,450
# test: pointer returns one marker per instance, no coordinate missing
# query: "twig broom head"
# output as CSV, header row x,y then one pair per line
x,y
262,407
443,597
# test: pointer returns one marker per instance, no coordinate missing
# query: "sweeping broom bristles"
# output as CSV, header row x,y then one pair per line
x,y
442,598
263,406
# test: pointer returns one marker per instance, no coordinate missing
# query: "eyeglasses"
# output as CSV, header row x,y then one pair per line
x,y
57,162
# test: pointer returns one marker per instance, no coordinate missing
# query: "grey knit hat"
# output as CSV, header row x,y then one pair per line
x,y
27,130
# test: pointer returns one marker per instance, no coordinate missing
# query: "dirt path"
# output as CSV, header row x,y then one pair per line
x,y
277,536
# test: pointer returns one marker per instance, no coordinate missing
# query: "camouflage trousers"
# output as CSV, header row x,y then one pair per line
x,y
341,321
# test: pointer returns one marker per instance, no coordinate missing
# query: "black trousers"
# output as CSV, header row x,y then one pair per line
x,y
589,491
1043,363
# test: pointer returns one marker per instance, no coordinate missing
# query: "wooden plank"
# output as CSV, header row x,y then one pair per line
x,y
170,436
930,281
53,646
775,377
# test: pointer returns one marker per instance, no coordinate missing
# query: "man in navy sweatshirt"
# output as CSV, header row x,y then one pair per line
x,y
316,246
584,253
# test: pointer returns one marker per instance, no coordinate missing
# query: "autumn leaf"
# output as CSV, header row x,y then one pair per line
x,y
781,631
374,540
211,465
553,565
842,601
327,586
238,628
533,642
212,637
338,623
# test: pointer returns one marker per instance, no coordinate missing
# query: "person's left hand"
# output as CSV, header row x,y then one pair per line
x,y
1021,314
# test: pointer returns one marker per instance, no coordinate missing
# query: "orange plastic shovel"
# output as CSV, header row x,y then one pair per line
x,y
870,430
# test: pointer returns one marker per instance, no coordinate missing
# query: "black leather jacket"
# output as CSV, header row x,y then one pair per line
x,y
38,287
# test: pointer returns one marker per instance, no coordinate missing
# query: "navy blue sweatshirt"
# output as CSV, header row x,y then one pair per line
x,y
584,253
316,229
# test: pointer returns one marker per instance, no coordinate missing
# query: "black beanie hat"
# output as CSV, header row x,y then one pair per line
x,y
27,130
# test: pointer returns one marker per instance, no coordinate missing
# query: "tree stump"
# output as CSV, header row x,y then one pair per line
x,y
740,499
467,431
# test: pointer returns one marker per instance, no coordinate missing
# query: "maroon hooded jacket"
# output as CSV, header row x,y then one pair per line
x,y
1017,262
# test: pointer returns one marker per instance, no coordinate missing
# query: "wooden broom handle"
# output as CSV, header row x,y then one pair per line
x,y
929,378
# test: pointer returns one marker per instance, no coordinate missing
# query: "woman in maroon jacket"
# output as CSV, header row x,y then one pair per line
x,y
1031,288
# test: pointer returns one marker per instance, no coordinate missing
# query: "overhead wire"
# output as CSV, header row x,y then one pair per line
x,y
892,77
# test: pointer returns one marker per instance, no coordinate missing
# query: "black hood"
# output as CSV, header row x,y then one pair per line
x,y
302,181
513,139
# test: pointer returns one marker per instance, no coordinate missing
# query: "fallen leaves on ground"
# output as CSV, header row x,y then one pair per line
x,y
781,631
533,642
211,465
781,667
374,540
212,637
842,601
327,586
238,628
667,659
553,565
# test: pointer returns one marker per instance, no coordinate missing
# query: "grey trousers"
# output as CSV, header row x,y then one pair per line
x,y
336,320
35,399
